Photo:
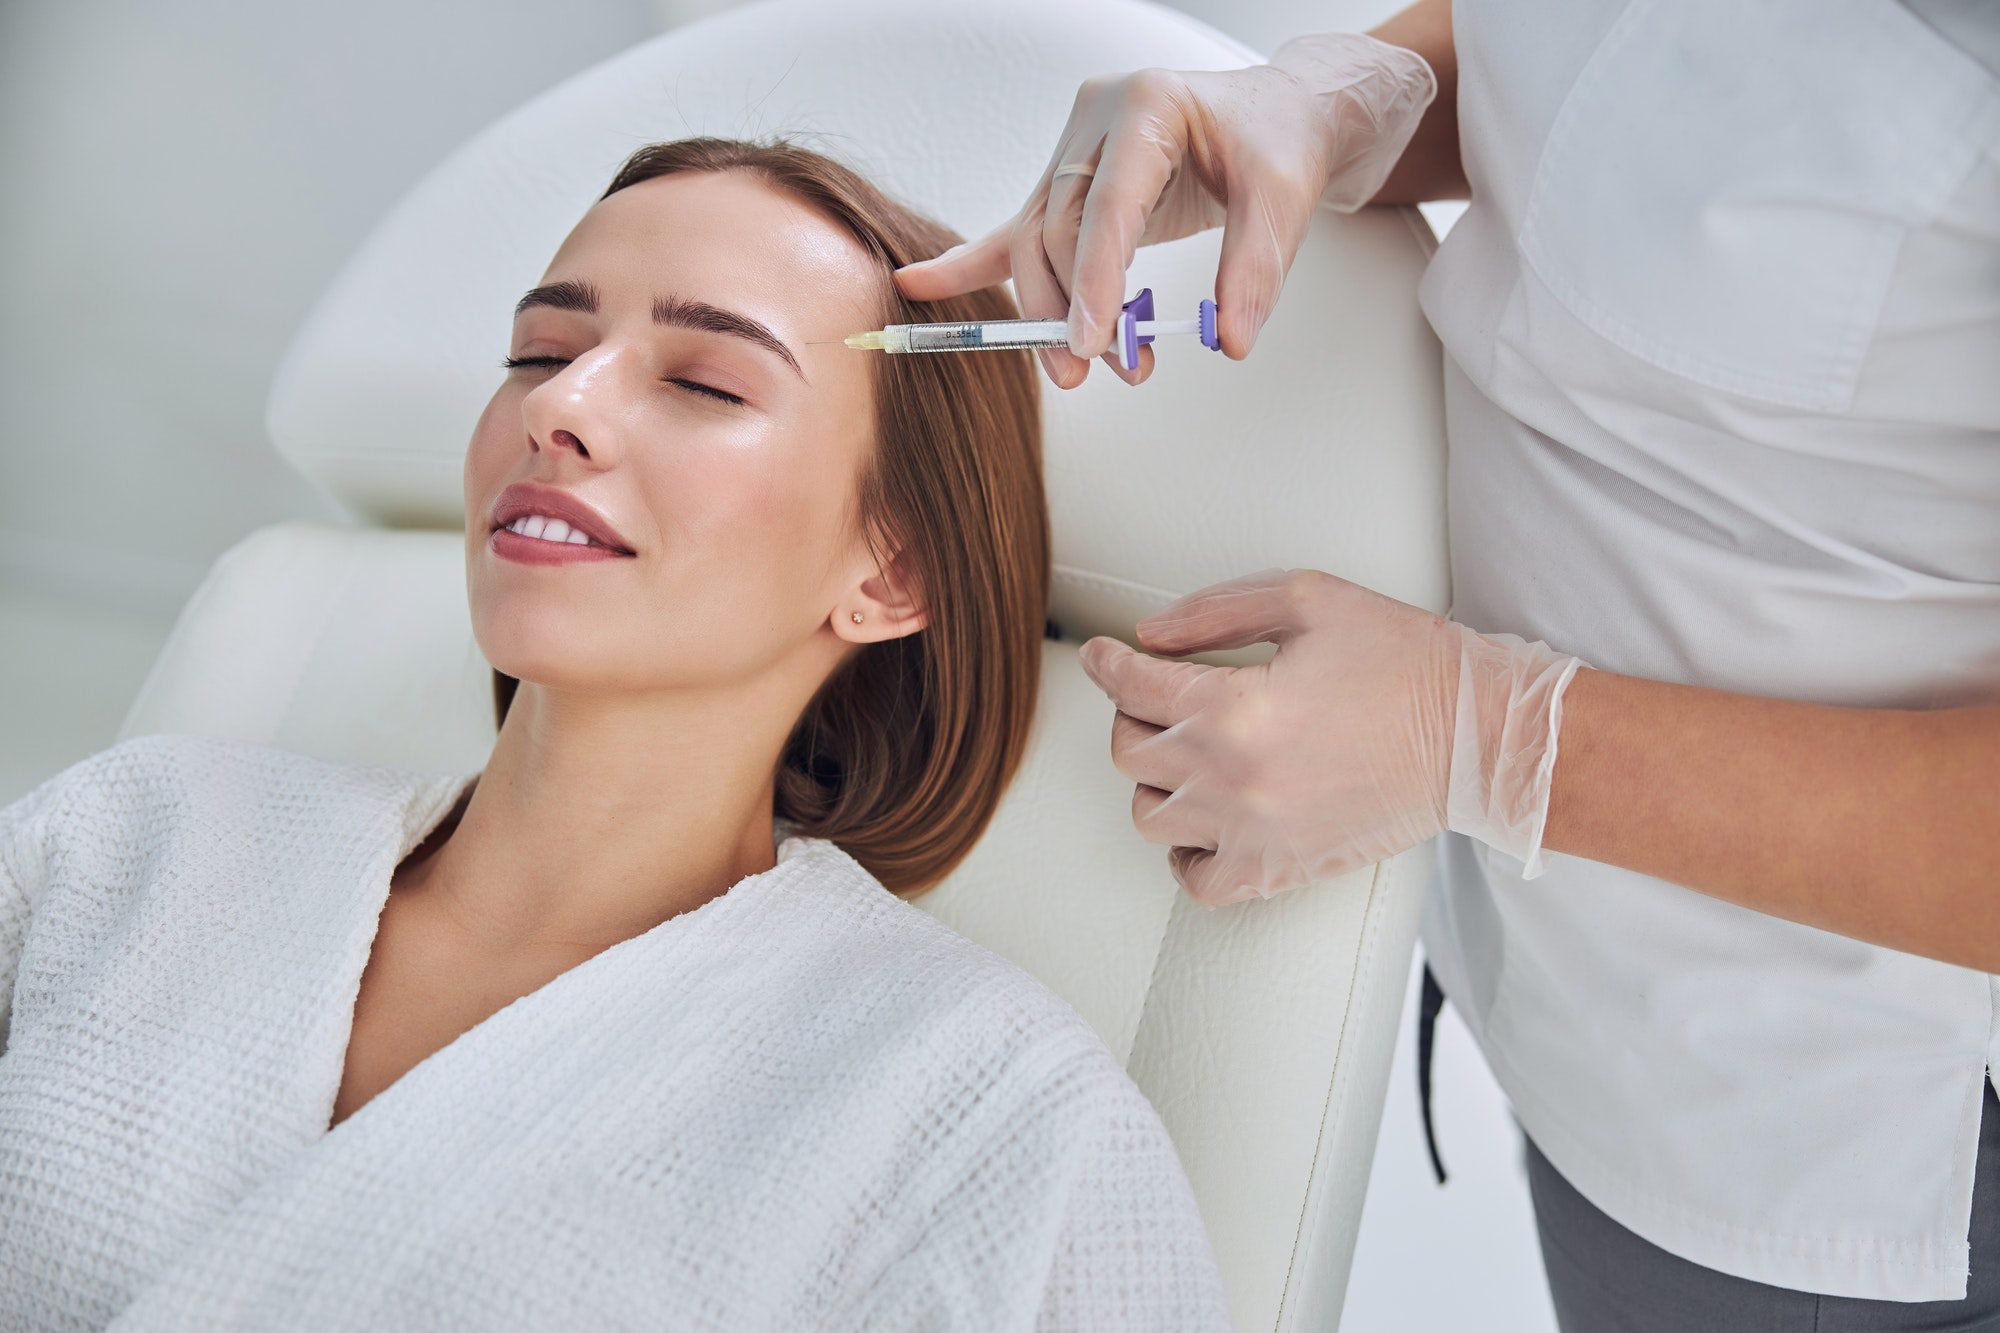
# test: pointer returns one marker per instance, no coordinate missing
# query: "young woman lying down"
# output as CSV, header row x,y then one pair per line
x,y
633,1027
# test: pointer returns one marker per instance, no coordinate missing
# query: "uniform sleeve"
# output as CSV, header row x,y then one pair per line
x,y
1131,1252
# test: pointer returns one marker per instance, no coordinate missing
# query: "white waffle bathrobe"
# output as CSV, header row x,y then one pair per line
x,y
804,1105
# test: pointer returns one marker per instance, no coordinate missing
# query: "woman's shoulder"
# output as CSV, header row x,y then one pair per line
x,y
939,962
158,782
957,993
136,771
1026,1119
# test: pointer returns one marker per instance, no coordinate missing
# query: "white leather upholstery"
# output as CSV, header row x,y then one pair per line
x,y
1262,1031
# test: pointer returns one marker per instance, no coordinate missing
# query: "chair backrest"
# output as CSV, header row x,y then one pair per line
x,y
1262,1032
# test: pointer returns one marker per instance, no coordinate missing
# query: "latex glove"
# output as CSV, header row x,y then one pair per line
x,y
1376,725
1176,152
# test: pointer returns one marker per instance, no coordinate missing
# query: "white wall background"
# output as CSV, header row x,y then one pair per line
x,y
178,178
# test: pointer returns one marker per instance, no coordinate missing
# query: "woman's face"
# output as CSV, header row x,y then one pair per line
x,y
671,387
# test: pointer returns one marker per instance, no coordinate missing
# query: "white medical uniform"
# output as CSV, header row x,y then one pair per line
x,y
1723,388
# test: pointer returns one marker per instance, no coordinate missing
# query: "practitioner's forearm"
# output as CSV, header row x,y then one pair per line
x,y
1882,824
1430,168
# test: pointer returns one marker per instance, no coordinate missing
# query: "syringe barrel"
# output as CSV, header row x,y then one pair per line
x,y
977,334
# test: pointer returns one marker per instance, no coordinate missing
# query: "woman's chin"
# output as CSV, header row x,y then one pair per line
x,y
543,645
557,676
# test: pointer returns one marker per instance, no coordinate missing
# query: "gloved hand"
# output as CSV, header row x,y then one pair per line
x,y
1177,152
1376,725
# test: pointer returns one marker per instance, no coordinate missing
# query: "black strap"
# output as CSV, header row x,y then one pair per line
x,y
1427,1018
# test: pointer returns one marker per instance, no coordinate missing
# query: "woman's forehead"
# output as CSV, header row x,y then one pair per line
x,y
732,239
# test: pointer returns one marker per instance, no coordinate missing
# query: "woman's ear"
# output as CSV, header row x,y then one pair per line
x,y
887,604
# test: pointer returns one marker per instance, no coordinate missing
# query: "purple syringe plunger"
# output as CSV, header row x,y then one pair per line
x,y
1137,327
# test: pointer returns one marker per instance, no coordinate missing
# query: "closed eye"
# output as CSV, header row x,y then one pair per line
x,y
553,362
708,390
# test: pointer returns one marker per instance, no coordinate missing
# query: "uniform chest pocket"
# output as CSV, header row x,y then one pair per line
x,y
1725,189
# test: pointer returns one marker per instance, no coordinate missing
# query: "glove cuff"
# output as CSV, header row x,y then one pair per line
x,y
1371,95
1503,752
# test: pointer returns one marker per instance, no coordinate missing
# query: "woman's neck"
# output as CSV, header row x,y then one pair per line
x,y
596,818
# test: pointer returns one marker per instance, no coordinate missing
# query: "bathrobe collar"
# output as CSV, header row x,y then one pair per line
x,y
416,803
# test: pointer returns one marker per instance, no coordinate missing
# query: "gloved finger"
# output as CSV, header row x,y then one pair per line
x,y
966,267
1141,150
1221,878
1256,608
1041,297
1204,878
1264,223
1138,376
1163,693
1059,229
1061,218
1154,755
1347,861
1059,243
1171,819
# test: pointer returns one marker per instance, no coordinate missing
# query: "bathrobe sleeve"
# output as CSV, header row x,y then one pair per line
x,y
23,856
1064,1209
1130,1250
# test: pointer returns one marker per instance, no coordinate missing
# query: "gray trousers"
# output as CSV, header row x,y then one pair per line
x,y
1606,1280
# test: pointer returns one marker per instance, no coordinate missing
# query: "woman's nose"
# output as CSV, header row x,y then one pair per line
x,y
570,410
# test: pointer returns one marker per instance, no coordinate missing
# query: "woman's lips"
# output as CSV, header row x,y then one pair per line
x,y
511,545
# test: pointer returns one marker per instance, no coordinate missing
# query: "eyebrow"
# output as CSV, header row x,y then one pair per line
x,y
674,311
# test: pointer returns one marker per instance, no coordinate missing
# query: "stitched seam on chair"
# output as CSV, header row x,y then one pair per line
x,y
1370,920
1108,583
1153,978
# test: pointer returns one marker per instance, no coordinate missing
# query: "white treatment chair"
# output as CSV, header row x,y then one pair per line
x,y
1263,1031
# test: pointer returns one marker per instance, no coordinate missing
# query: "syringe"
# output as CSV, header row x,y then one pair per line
x,y
1136,327
971,335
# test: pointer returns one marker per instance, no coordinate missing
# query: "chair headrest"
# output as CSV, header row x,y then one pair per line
x,y
1319,450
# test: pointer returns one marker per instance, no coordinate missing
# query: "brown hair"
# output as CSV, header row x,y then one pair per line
x,y
903,754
